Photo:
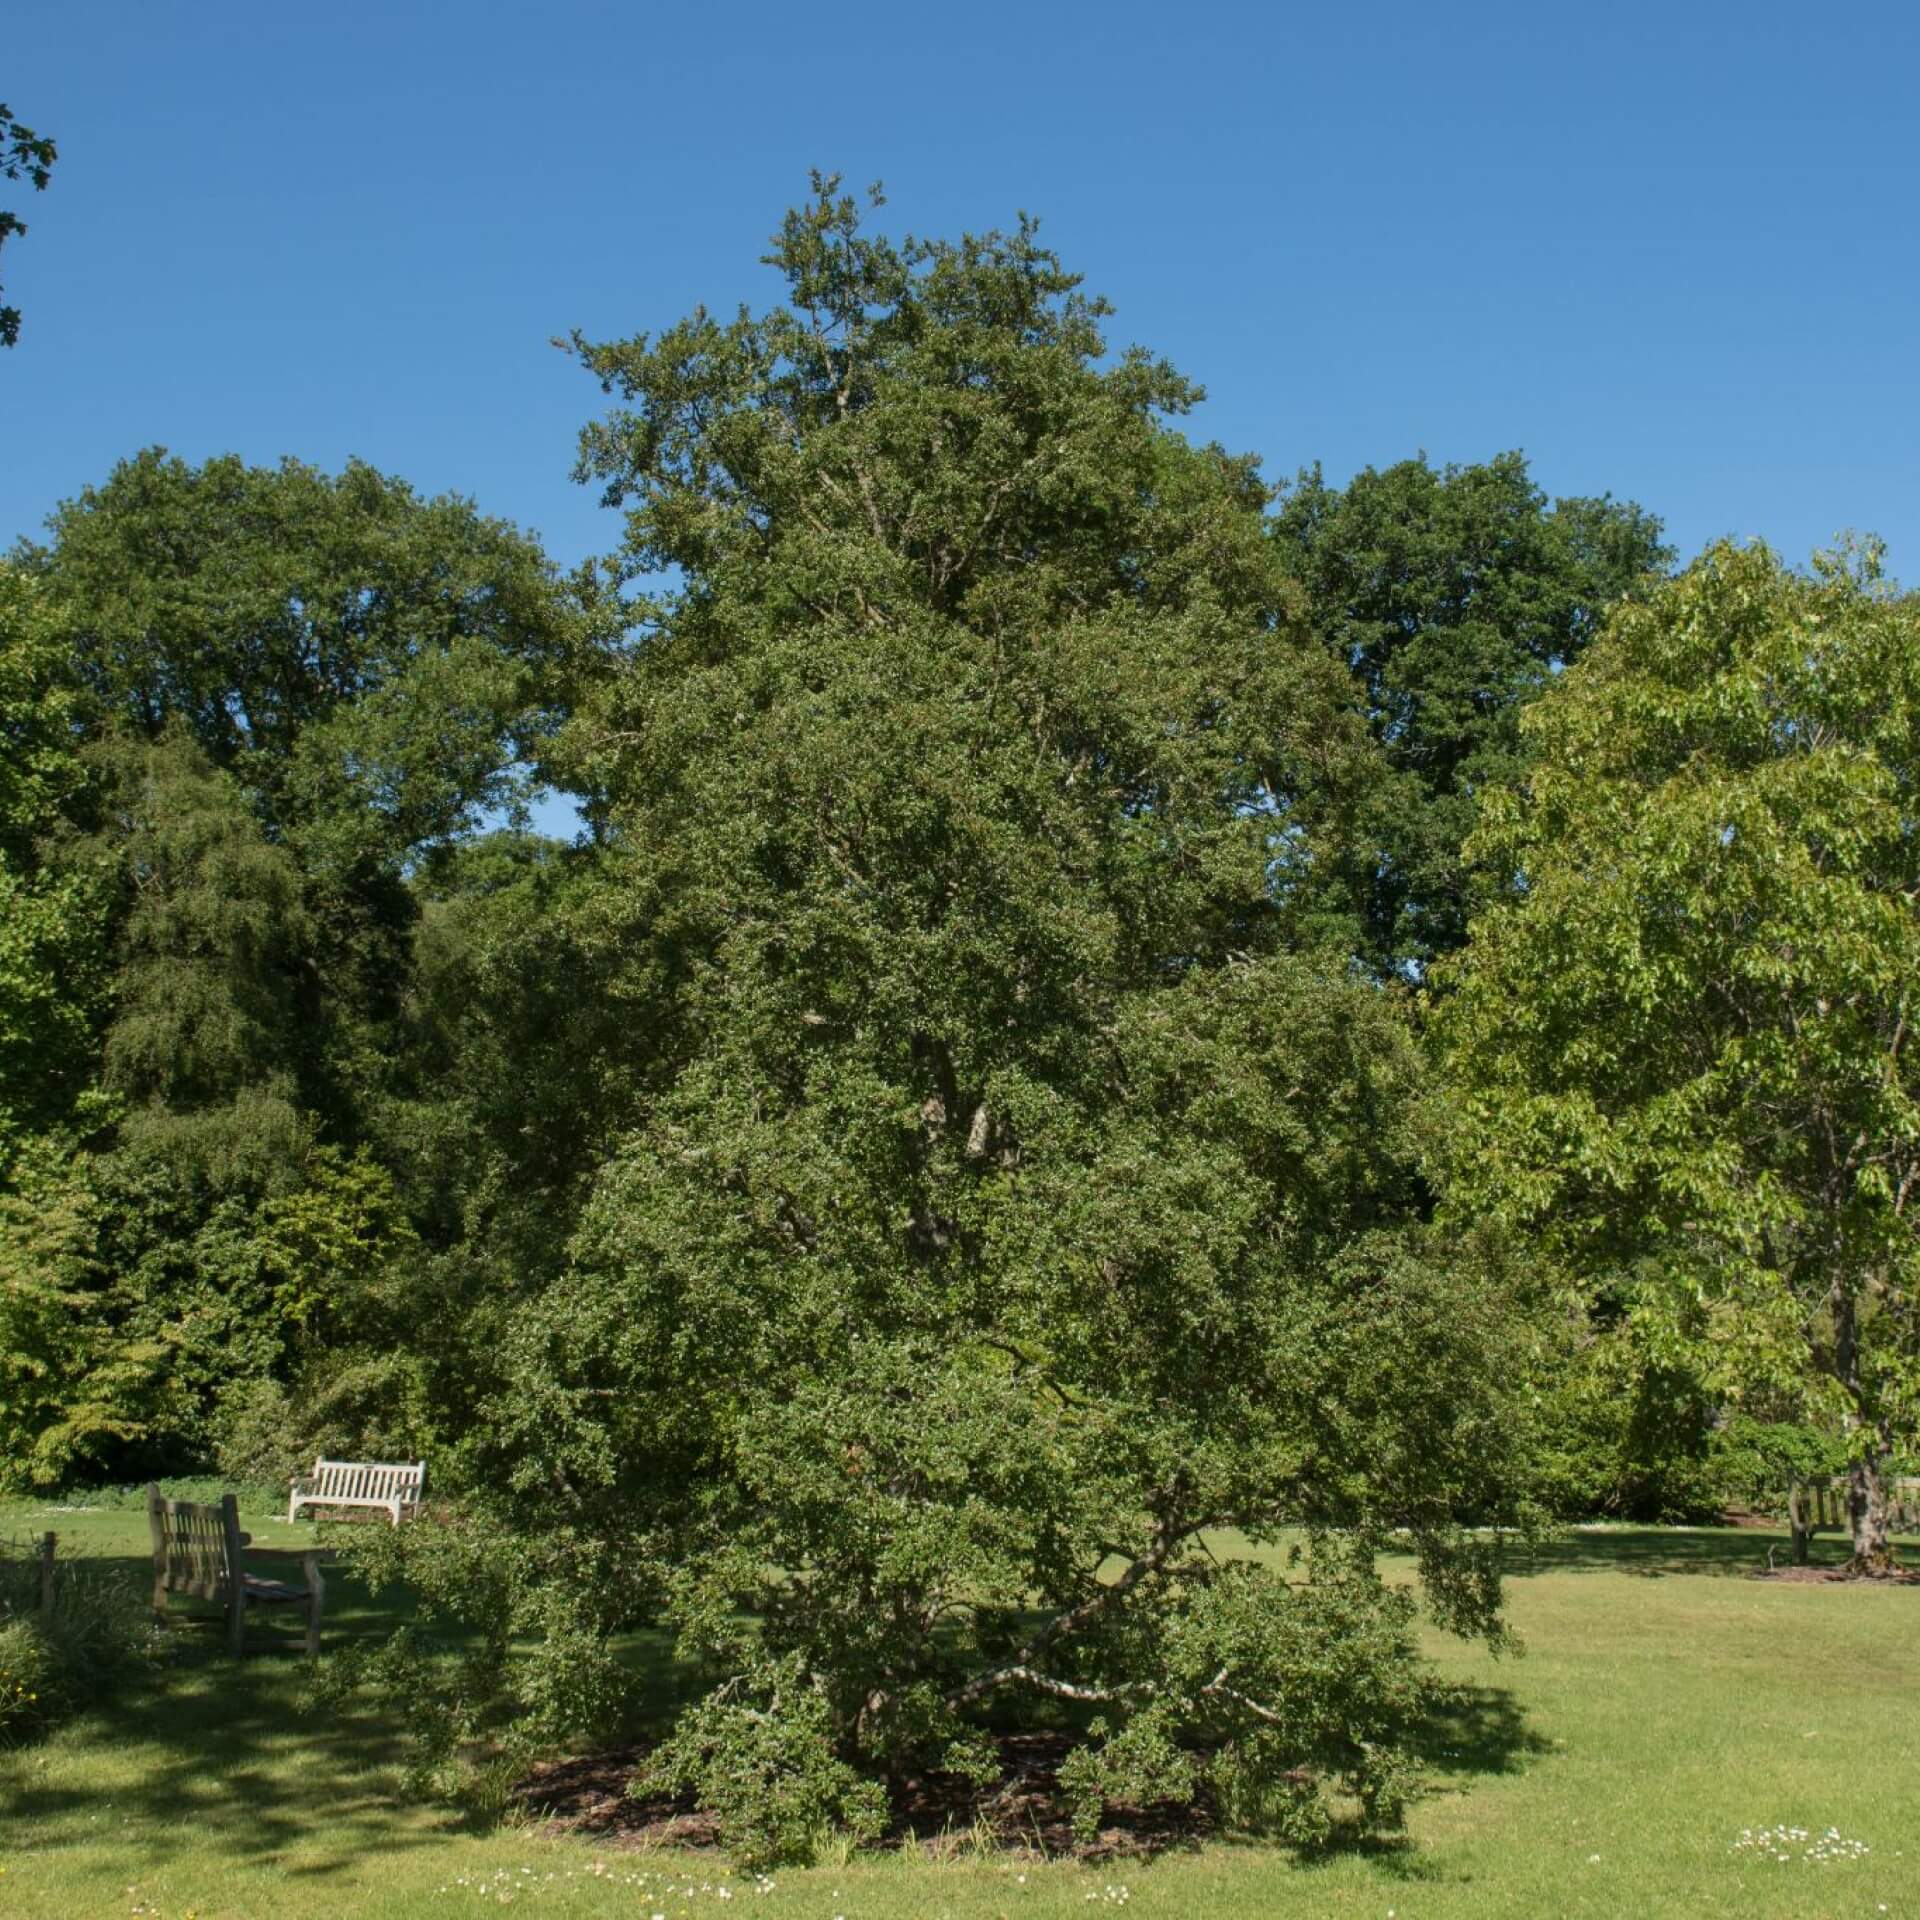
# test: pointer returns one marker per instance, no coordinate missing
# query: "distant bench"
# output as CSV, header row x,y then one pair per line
x,y
395,1487
199,1550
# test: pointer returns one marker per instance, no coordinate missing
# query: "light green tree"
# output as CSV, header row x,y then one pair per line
x,y
1685,1034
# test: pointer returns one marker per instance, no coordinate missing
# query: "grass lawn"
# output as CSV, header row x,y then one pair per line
x,y
1663,1705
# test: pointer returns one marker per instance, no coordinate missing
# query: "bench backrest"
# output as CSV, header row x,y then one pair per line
x,y
369,1479
196,1549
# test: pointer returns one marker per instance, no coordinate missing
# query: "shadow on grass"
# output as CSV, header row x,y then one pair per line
x,y
218,1755
221,1758
1475,1730
1655,1552
1467,1732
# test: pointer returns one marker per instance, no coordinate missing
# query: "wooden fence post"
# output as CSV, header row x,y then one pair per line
x,y
47,1542
236,1577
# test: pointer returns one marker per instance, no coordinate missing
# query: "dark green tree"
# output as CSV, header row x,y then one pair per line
x,y
376,669
376,673
254,712
53,916
1019,1187
1453,596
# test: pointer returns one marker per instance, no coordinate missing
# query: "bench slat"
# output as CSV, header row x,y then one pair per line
x,y
393,1486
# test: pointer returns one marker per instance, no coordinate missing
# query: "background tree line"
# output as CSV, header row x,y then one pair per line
x,y
1097,998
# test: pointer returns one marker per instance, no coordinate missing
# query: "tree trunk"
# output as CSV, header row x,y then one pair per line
x,y
1867,1477
1867,1509
1798,1524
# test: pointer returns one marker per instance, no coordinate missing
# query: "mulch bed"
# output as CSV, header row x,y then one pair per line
x,y
1024,1809
1837,1577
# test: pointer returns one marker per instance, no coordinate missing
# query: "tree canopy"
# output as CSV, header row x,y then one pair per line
x,y
1454,596
248,712
24,155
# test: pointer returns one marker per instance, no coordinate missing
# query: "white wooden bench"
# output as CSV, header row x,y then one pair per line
x,y
199,1550
395,1486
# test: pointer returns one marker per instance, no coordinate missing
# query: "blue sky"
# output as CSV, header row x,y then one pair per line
x,y
1670,251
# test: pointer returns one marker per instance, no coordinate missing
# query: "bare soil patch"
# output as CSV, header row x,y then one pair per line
x,y
1838,1577
933,1811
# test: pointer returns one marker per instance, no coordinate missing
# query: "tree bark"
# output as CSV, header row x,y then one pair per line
x,y
1867,1514
1867,1511
1798,1524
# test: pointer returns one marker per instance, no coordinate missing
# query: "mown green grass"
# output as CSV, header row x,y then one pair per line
x,y
1663,1704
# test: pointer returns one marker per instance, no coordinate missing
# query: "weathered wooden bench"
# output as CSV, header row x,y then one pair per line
x,y
200,1551
396,1486
1817,1506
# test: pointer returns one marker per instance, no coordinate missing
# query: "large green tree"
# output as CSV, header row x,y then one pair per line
x,y
251,713
1452,595
1020,1186
52,914
377,669
1683,1032
369,674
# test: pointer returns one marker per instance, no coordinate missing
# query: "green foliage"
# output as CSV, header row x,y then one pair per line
x,y
508,1656
1299,1693
1452,597
207,940
53,919
461,1742
372,667
74,1386
1681,1032
26,155
760,1752
1620,1435
1754,1460
250,716
353,1405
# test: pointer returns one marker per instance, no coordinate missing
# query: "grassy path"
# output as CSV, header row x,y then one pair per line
x,y
1663,1705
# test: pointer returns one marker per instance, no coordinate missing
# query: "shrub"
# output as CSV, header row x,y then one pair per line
x,y
205,1489
761,1756
29,1682
364,1407
1622,1435
1752,1460
97,1640
505,1662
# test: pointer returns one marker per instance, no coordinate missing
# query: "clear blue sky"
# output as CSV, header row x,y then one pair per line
x,y
1670,251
